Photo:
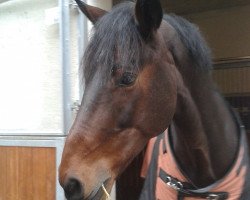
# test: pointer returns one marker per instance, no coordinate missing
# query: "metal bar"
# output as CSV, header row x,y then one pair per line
x,y
65,62
59,189
82,43
3,1
33,133
32,143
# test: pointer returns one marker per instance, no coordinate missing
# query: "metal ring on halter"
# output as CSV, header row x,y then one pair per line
x,y
213,197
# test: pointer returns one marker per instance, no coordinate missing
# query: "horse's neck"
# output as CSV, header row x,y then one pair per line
x,y
204,133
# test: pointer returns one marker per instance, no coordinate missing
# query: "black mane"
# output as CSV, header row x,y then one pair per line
x,y
190,36
116,37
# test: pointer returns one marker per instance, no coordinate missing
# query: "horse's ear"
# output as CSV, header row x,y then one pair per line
x,y
149,15
93,13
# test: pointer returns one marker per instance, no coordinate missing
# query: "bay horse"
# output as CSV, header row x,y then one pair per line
x,y
146,73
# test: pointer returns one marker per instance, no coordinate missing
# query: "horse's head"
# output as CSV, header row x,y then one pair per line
x,y
130,96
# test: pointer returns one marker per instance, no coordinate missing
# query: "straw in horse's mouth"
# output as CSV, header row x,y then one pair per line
x,y
98,192
106,192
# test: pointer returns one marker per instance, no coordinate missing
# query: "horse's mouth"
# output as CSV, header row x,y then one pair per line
x,y
98,193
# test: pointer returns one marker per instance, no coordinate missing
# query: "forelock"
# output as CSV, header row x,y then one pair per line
x,y
115,41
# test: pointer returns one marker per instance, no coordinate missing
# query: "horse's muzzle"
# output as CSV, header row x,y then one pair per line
x,y
73,189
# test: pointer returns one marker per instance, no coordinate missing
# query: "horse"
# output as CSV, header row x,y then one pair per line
x,y
146,74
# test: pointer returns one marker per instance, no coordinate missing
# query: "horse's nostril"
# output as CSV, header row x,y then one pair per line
x,y
73,189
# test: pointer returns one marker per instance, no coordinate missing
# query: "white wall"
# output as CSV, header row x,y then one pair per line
x,y
30,69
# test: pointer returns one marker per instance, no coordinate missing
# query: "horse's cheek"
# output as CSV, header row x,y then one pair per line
x,y
151,115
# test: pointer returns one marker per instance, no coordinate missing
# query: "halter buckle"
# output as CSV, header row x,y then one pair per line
x,y
176,185
213,197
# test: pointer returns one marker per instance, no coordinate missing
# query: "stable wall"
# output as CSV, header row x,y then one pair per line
x,y
227,32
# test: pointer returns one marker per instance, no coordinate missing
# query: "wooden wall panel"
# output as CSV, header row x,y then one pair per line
x,y
233,80
27,173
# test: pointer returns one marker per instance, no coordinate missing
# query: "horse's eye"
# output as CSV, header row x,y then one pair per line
x,y
127,79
